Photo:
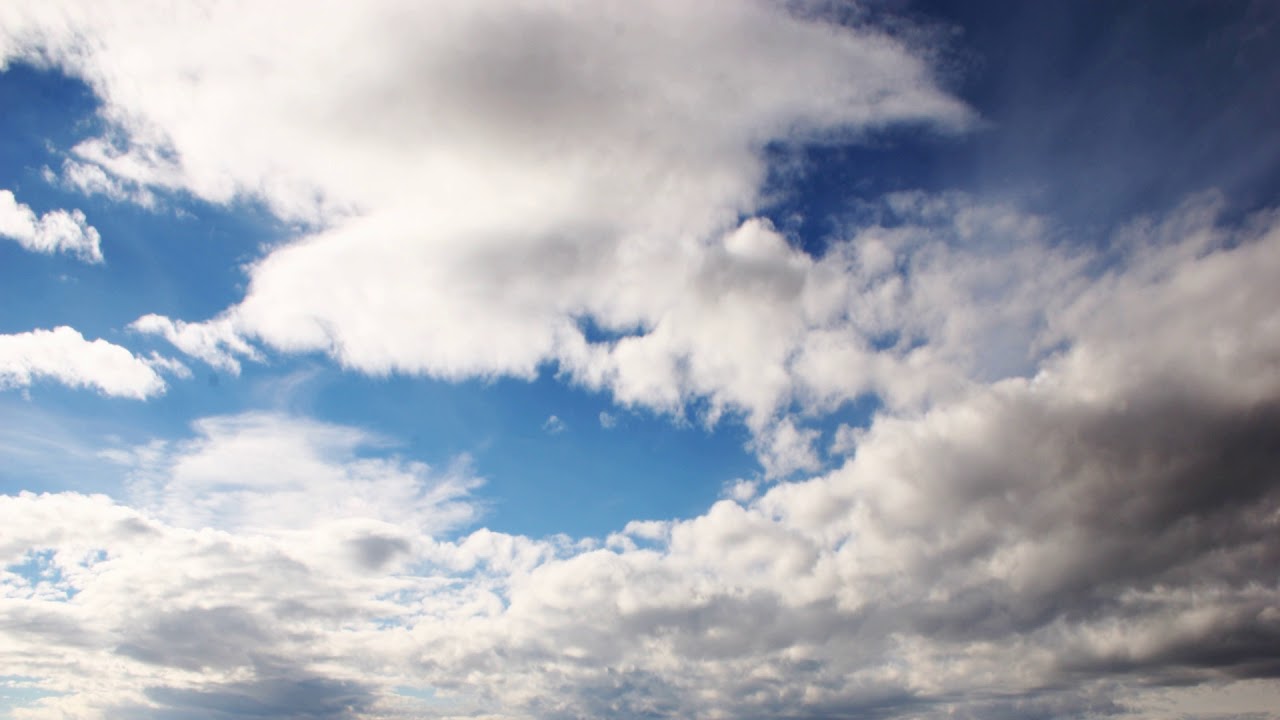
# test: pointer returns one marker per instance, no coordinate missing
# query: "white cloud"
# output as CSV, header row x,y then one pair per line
x,y
1068,495
554,425
168,365
481,191
91,179
845,440
65,356
54,231
263,472
786,449
608,420
215,342
1061,545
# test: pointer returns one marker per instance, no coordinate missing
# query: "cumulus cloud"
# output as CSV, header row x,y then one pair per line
x,y
65,356
1067,505
52,232
788,449
1090,540
484,181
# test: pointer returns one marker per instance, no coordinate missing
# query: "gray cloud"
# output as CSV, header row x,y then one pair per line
x,y
196,638
270,696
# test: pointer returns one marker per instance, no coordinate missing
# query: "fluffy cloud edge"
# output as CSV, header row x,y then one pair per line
x,y
64,356
53,232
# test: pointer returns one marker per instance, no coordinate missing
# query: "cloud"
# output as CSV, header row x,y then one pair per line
x,y
210,595
91,179
788,449
554,425
65,356
266,473
54,231
478,193
284,696
215,342
1066,506
608,420
1084,541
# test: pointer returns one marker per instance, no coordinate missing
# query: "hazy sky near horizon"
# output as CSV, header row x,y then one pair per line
x,y
593,359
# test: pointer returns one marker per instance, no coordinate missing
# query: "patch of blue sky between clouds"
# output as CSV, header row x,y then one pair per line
x,y
18,691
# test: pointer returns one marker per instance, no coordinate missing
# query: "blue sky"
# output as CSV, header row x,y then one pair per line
x,y
566,360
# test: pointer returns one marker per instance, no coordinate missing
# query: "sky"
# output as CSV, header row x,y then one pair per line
x,y
569,359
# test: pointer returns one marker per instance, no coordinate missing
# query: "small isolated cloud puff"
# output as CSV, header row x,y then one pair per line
x,y
52,232
65,356
608,420
554,425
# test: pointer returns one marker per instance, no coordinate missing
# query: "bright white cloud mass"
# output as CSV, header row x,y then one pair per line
x,y
55,231
1007,462
64,355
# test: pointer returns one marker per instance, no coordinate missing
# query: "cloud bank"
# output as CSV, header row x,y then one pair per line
x,y
1067,544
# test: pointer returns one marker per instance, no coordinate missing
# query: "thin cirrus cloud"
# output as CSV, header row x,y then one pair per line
x,y
1064,505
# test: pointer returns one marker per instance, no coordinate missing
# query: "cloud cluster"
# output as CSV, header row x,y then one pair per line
x,y
487,181
52,232
65,356
1068,502
1063,545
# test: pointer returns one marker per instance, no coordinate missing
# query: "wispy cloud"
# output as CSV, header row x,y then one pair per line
x,y
554,425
